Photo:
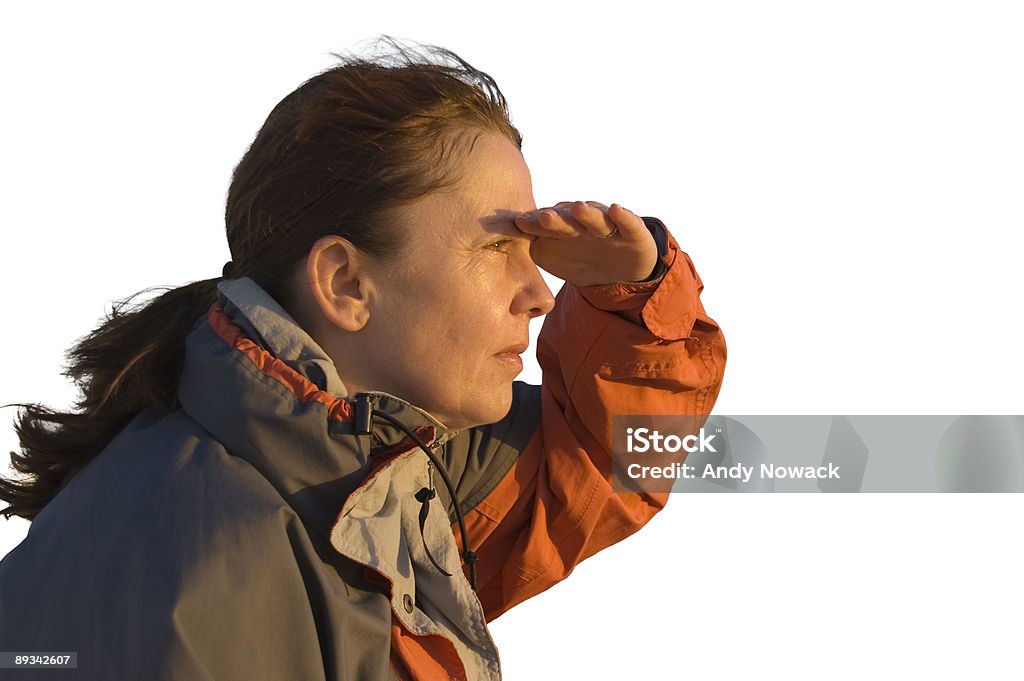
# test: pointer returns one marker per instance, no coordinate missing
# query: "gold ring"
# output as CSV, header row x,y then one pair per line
x,y
609,235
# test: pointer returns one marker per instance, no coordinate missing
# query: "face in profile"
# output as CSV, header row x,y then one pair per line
x,y
453,310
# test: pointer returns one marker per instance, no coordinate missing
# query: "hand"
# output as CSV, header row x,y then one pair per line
x,y
573,243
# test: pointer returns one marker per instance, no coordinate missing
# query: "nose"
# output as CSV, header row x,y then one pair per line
x,y
534,298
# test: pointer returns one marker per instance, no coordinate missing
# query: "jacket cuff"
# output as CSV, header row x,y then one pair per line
x,y
666,306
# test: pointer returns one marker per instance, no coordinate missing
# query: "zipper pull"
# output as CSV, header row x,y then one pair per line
x,y
424,496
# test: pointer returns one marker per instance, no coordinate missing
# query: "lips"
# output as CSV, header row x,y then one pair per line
x,y
510,356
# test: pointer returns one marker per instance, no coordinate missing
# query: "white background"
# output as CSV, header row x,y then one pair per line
x,y
847,177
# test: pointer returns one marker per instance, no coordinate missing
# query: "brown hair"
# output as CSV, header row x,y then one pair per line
x,y
337,156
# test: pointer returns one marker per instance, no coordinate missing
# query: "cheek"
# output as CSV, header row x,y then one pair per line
x,y
464,316
491,294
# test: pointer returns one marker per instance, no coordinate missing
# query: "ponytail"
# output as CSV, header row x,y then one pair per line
x,y
130,363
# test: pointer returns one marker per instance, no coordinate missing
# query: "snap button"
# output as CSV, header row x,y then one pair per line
x,y
407,602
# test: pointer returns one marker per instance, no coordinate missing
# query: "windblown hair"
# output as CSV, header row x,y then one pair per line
x,y
338,156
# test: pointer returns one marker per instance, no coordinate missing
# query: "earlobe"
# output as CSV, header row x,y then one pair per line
x,y
338,282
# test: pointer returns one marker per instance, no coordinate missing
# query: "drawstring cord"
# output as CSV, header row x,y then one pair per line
x,y
364,416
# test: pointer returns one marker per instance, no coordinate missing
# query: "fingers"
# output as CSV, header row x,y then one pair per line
x,y
574,218
548,222
594,218
628,221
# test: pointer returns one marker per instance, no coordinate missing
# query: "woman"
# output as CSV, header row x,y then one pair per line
x,y
318,466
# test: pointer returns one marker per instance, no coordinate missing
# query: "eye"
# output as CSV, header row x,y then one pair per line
x,y
499,245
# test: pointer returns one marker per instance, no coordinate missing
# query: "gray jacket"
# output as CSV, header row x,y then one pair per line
x,y
251,533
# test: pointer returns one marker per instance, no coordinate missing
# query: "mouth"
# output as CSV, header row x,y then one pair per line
x,y
511,356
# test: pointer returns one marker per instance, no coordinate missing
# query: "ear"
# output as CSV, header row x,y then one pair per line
x,y
338,279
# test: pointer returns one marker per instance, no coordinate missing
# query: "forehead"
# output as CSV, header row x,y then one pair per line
x,y
494,170
494,186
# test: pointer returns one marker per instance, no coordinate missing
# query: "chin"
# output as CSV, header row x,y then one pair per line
x,y
487,411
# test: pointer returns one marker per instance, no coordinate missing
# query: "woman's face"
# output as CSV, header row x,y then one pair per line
x,y
454,308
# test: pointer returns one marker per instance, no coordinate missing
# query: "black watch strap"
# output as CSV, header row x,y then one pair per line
x,y
660,233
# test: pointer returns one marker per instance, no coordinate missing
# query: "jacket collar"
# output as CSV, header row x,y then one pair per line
x,y
266,391
264,321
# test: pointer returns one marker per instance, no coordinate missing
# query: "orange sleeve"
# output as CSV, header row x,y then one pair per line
x,y
611,350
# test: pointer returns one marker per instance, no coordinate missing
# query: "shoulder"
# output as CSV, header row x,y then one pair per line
x,y
164,491
163,536
164,468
